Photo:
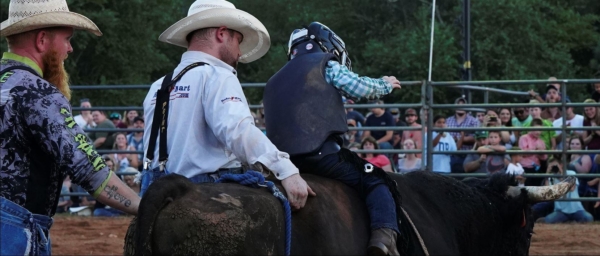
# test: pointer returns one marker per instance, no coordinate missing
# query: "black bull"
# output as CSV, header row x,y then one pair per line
x,y
475,216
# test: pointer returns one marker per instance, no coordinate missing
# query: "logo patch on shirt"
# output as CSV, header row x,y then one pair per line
x,y
181,88
231,99
5,76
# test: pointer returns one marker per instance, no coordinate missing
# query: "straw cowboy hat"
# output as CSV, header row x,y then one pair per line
x,y
217,13
27,15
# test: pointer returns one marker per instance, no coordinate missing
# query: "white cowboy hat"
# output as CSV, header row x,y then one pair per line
x,y
25,16
217,13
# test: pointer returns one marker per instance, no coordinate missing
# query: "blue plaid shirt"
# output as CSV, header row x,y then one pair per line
x,y
353,85
469,121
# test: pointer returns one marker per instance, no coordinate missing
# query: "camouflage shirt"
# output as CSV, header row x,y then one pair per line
x,y
40,143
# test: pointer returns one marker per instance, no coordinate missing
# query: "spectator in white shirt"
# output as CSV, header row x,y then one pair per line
x,y
445,142
572,120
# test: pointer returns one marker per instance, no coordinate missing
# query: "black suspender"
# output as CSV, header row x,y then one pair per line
x,y
161,117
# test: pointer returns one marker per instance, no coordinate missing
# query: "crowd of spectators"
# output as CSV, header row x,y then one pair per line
x,y
126,165
491,151
485,151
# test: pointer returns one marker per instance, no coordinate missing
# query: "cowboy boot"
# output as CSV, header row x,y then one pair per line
x,y
383,242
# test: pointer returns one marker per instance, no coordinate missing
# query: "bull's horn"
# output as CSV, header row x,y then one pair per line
x,y
543,193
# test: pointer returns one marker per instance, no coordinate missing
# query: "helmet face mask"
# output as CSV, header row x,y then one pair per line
x,y
323,37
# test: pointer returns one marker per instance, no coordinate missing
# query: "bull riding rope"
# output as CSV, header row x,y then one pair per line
x,y
257,180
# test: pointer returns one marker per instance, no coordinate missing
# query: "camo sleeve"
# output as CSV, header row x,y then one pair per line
x,y
47,114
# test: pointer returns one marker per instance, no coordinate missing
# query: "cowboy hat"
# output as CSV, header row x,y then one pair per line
x,y
25,16
217,13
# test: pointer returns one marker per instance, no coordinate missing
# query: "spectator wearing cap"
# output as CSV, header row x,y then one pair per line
x,y
461,119
591,118
532,141
476,162
410,115
552,96
84,119
572,120
547,136
116,120
380,118
102,139
136,139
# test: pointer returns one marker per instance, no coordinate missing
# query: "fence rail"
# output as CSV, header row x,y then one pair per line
x,y
427,129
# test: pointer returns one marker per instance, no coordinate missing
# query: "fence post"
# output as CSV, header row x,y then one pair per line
x,y
429,93
563,101
424,107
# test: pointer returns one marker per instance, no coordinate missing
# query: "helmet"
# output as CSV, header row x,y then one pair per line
x,y
301,42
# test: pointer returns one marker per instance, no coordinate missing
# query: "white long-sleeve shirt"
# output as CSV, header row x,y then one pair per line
x,y
210,125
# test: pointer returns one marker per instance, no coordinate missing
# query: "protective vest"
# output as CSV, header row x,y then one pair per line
x,y
301,109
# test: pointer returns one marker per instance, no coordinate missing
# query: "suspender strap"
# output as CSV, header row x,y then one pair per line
x,y
26,68
161,117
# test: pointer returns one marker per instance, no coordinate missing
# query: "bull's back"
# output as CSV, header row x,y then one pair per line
x,y
227,219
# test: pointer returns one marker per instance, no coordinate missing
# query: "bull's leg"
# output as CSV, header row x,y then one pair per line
x,y
129,246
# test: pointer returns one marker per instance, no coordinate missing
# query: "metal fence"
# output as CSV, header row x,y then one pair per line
x,y
427,104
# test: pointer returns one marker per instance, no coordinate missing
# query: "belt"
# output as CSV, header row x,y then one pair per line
x,y
328,147
235,170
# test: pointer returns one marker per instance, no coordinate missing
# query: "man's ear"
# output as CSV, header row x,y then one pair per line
x,y
42,40
220,34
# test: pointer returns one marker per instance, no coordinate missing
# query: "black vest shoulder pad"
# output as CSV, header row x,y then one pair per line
x,y
301,109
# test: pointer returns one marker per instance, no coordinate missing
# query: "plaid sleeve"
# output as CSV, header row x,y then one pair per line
x,y
354,85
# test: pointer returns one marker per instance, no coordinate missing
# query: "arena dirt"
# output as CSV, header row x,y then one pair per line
x,y
73,235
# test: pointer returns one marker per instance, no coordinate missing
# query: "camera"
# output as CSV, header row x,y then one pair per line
x,y
555,169
493,119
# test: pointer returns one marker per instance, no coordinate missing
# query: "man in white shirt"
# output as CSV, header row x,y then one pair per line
x,y
573,120
210,127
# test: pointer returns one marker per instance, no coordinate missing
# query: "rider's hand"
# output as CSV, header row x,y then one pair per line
x,y
297,191
392,80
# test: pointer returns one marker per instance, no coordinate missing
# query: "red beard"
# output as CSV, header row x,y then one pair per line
x,y
55,73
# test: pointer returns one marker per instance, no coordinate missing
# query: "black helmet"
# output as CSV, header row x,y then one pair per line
x,y
302,40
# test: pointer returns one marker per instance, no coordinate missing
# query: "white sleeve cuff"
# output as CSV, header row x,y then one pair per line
x,y
279,163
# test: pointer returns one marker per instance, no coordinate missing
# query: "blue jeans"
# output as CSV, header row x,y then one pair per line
x,y
110,212
380,203
149,176
22,232
542,209
457,163
561,217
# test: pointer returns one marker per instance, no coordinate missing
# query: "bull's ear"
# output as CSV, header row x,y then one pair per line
x,y
543,193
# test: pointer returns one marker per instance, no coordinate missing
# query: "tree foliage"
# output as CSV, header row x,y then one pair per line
x,y
514,40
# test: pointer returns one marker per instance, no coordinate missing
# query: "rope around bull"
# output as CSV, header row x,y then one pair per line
x,y
256,180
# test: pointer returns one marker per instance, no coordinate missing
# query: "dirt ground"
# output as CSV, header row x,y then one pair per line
x,y
73,235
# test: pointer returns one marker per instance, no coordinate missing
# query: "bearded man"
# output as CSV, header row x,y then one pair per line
x,y
40,142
